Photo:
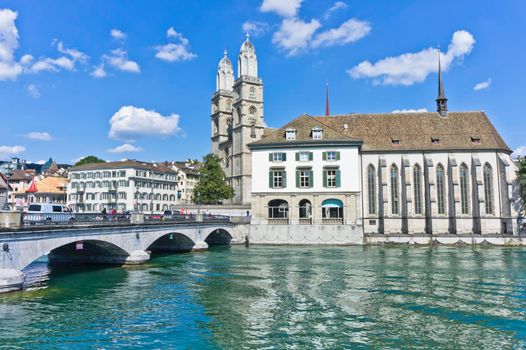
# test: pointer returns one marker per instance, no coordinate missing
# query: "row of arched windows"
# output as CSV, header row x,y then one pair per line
x,y
394,183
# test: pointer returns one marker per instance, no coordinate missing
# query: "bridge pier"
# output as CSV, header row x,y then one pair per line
x,y
137,257
11,280
200,246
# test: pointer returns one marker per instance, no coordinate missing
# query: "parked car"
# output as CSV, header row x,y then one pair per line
x,y
48,213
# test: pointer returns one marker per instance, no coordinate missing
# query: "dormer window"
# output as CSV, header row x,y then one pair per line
x,y
475,140
435,140
317,133
290,134
395,142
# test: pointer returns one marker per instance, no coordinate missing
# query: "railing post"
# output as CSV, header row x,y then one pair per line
x,y
11,219
137,218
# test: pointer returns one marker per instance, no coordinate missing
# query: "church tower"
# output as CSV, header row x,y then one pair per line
x,y
441,99
237,119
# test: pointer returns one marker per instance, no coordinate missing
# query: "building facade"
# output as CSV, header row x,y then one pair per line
x,y
238,118
124,186
187,177
405,173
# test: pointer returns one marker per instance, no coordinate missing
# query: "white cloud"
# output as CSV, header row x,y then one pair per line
x,y
410,68
99,71
56,64
285,8
33,91
117,34
420,110
350,31
519,152
41,136
294,35
6,151
338,5
131,122
118,59
125,148
255,28
482,85
9,68
75,54
174,52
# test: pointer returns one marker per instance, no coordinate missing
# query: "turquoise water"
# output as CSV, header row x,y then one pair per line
x,y
278,298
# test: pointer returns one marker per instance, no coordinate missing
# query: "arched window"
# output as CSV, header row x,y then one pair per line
x,y
252,111
278,209
252,93
239,115
305,209
371,188
229,129
464,194
441,189
417,188
394,191
332,209
488,188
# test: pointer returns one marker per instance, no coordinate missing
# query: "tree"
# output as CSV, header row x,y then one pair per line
x,y
89,160
521,174
211,186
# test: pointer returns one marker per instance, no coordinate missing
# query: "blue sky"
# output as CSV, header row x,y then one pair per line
x,y
69,67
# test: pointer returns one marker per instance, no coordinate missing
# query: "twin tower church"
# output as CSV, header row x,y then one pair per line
x,y
334,178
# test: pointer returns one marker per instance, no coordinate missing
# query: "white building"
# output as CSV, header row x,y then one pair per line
x,y
187,177
127,185
333,178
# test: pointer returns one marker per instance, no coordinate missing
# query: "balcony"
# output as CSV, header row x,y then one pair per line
x,y
305,221
278,221
332,221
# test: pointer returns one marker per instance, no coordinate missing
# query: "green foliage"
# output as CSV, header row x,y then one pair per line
x,y
211,186
521,174
89,160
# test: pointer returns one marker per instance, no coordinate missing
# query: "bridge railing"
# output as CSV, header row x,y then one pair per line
x,y
73,218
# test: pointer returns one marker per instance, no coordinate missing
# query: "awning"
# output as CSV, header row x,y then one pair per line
x,y
332,203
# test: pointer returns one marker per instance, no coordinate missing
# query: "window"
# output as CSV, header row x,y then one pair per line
x,y
371,188
395,142
304,178
290,134
277,157
331,155
435,141
464,178
317,133
252,93
303,156
417,188
475,140
305,209
277,179
488,188
278,209
441,200
331,177
394,191
332,209
252,111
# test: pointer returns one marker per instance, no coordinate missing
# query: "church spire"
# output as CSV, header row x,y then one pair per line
x,y
327,108
441,99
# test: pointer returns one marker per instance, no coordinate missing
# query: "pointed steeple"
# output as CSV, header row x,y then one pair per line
x,y
327,108
441,99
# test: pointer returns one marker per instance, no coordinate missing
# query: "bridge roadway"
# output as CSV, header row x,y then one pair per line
x,y
115,243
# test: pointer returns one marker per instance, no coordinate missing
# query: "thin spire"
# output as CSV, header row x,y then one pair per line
x,y
441,99
248,36
225,52
327,108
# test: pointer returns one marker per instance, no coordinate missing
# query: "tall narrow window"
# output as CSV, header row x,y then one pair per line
x,y
464,195
441,189
371,186
417,184
394,190
488,188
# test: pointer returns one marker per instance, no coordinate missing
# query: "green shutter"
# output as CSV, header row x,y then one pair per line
x,y
297,156
337,155
324,178
284,179
297,178
270,157
310,155
338,178
324,155
270,182
284,157
311,178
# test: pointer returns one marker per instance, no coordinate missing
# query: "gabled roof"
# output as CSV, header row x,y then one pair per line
x,y
303,126
457,131
4,183
22,175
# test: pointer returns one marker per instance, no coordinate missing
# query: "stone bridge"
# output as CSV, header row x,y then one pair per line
x,y
102,244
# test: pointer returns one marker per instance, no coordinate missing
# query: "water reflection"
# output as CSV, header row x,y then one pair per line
x,y
280,297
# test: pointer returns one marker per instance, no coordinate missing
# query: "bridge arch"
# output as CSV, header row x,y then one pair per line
x,y
170,242
100,250
218,236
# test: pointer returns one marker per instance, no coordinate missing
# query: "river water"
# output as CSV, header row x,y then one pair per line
x,y
276,297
